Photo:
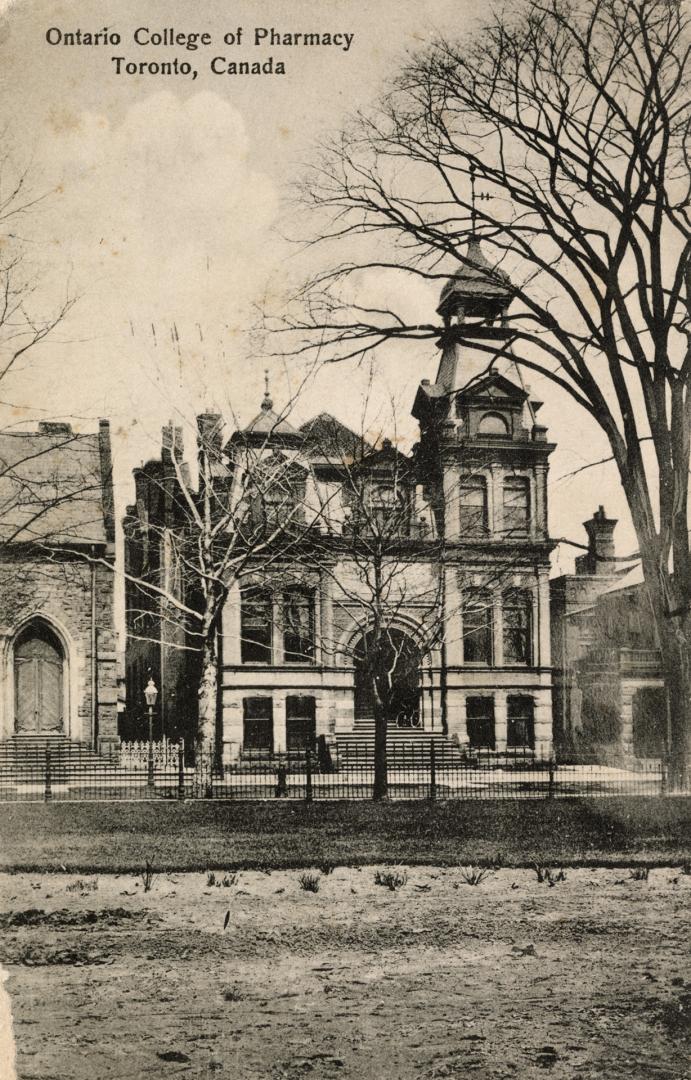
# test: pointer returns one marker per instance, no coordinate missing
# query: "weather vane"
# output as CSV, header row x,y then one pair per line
x,y
475,197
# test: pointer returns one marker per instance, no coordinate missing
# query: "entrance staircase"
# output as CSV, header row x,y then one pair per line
x,y
23,760
406,747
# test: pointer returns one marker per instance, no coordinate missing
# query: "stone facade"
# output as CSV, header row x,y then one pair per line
x,y
57,635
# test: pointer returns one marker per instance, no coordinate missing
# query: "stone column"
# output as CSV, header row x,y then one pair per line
x,y
456,717
494,500
279,714
231,628
500,720
327,644
497,627
543,723
454,623
539,486
232,721
277,629
451,481
543,653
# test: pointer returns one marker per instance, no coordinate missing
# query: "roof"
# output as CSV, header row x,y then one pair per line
x,y
55,486
476,278
333,439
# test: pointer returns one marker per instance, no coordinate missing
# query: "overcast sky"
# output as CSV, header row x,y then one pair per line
x,y
169,207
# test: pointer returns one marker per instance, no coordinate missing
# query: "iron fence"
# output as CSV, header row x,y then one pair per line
x,y
423,771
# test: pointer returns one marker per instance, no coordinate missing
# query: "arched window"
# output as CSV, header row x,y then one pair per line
x,y
473,506
517,617
516,505
38,680
477,628
298,625
256,625
493,424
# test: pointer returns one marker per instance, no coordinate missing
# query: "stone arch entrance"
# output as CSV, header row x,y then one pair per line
x,y
400,674
39,681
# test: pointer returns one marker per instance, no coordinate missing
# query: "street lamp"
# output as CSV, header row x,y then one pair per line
x,y
150,695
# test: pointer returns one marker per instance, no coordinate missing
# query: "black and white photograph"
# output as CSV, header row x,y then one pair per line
x,y
345,550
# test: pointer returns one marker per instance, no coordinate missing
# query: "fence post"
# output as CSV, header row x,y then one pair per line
x,y
48,792
308,776
552,770
150,769
432,770
663,775
181,769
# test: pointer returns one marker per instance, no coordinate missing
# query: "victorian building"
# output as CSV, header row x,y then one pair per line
x,y
454,536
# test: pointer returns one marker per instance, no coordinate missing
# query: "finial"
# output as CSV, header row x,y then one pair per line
x,y
267,403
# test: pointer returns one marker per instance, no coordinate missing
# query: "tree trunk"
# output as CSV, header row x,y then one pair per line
x,y
675,652
208,696
381,772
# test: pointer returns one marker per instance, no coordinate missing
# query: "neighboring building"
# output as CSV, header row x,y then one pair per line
x,y
609,704
471,552
57,638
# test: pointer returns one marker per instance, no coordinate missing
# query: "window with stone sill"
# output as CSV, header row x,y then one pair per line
x,y
256,626
516,506
473,506
477,628
298,625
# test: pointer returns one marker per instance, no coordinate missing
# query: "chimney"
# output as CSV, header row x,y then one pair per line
x,y
210,433
600,530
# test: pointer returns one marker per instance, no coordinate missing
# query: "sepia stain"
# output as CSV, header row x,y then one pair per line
x,y
63,121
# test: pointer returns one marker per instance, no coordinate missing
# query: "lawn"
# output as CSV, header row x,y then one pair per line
x,y
119,836
250,976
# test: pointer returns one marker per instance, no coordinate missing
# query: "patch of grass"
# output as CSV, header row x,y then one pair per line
x,y
210,879
326,866
228,880
231,993
81,886
685,867
391,879
147,875
639,873
475,875
310,882
546,875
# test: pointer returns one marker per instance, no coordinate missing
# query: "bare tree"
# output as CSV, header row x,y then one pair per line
x,y
558,136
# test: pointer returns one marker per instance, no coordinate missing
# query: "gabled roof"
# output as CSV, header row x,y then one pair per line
x,y
55,487
334,440
496,387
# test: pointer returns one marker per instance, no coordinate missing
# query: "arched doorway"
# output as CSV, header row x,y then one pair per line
x,y
399,672
39,662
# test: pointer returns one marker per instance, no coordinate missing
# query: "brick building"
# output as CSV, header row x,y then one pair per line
x,y
469,626
609,702
57,632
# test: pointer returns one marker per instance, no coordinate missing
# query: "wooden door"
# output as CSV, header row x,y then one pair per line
x,y
38,675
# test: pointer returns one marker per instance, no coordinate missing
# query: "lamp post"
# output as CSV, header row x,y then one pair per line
x,y
150,695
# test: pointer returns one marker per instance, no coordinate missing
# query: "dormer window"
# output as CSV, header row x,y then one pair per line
x,y
495,425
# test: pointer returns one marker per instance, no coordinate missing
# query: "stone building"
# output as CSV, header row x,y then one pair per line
x,y
609,703
57,546
464,516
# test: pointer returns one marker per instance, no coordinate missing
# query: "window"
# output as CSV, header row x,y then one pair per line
x,y
256,626
493,424
520,722
301,733
480,722
473,506
517,612
516,505
298,625
387,510
258,727
477,628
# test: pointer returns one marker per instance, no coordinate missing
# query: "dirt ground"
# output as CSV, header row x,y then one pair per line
x,y
256,977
